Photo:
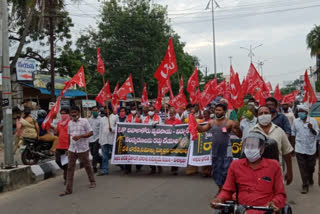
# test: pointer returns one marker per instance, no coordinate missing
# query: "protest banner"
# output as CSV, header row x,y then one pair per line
x,y
200,149
145,144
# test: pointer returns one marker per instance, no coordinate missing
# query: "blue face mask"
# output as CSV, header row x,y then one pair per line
x,y
273,111
302,115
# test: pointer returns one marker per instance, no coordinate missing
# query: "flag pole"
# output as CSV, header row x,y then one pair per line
x,y
107,103
85,88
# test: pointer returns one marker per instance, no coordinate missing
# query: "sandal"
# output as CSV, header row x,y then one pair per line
x,y
92,185
65,193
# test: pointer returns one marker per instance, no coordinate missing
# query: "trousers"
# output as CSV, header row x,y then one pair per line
x,y
306,165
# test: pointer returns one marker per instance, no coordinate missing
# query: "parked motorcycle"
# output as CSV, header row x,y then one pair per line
x,y
35,151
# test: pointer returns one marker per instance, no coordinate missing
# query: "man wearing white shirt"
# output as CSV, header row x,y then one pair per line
x,y
94,122
304,136
106,137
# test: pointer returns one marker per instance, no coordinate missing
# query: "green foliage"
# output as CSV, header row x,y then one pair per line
x,y
290,87
313,40
133,38
317,86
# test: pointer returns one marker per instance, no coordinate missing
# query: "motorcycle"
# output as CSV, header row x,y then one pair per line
x,y
34,151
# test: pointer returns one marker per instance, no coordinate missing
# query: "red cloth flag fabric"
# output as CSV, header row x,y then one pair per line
x,y
100,65
168,65
181,85
115,101
164,87
126,88
227,96
277,93
54,110
144,97
179,101
309,95
193,81
253,80
78,79
236,94
209,93
192,126
158,103
104,94
269,86
290,98
221,88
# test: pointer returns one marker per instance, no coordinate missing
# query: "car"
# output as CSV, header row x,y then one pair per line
x,y
315,111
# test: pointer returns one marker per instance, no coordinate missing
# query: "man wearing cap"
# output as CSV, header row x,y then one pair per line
x,y
304,138
257,180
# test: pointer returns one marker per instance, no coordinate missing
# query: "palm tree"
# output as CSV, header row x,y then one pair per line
x,y
313,43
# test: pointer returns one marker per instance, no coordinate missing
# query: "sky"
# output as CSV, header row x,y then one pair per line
x,y
280,26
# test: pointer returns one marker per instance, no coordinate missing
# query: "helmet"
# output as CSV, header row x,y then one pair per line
x,y
256,135
42,113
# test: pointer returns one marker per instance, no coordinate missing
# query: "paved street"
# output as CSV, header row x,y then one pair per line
x,y
137,193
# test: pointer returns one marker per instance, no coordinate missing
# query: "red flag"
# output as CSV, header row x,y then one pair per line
x,y
49,118
104,94
277,93
179,101
253,79
192,126
144,97
168,65
309,95
236,93
244,86
115,101
193,81
126,88
221,88
227,96
158,103
290,98
78,79
100,65
269,86
164,87
209,93
181,85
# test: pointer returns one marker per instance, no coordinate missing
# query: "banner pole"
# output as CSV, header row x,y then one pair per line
x,y
85,88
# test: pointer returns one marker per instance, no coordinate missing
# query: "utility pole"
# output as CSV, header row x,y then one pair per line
x,y
6,87
206,74
213,2
51,39
251,54
260,65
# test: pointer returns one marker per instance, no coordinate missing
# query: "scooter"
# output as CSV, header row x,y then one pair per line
x,y
35,150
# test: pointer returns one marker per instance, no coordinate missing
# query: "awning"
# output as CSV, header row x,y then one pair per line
x,y
69,93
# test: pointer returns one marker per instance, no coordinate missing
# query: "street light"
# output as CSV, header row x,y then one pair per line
x,y
251,54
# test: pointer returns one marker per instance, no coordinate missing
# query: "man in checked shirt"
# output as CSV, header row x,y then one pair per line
x,y
79,131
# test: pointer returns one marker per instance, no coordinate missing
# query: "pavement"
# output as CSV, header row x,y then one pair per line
x,y
136,193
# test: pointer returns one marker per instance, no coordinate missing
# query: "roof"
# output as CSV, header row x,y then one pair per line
x,y
69,93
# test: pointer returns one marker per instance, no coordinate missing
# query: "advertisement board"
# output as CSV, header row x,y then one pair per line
x,y
41,81
25,69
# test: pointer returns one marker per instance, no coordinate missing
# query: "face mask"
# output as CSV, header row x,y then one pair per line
x,y
65,117
151,113
264,119
302,115
75,118
122,114
95,114
251,103
273,111
252,154
211,115
133,112
220,116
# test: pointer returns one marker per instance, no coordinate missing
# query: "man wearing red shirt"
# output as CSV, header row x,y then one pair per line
x,y
258,180
63,140
173,121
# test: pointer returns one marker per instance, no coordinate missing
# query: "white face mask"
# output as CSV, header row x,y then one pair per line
x,y
151,113
133,112
264,119
252,154
211,116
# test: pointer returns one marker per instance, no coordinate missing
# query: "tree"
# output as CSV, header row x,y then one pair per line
x,y
313,43
133,37
38,21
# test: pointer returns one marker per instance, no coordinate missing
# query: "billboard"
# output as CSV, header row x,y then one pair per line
x,y
25,68
41,81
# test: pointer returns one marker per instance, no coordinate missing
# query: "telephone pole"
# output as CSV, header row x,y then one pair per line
x,y
6,86
213,3
230,58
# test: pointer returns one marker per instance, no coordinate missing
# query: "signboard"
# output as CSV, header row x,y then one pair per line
x,y
25,68
88,103
145,144
41,81
65,103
